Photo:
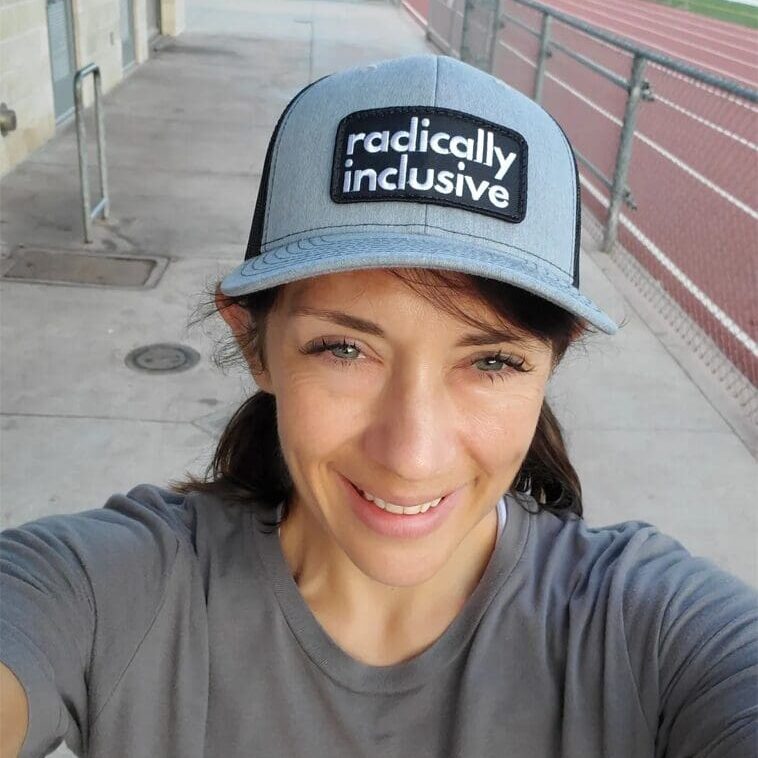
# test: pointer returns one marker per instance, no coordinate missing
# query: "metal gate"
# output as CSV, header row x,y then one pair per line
x,y
127,35
60,32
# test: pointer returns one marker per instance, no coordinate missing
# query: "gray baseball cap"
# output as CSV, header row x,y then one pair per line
x,y
422,162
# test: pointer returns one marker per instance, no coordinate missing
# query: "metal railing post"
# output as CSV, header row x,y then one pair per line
x,y
481,24
544,54
495,33
103,205
624,154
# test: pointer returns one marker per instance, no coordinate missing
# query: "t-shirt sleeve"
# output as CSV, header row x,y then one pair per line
x,y
692,636
77,588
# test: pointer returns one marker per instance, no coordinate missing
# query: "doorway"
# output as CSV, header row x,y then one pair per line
x,y
60,33
153,18
127,33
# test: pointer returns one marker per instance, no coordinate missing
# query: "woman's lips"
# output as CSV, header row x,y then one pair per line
x,y
399,524
402,502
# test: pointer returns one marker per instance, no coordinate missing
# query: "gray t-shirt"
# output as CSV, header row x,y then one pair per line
x,y
164,625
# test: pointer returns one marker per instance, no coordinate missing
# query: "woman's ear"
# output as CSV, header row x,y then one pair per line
x,y
236,317
238,320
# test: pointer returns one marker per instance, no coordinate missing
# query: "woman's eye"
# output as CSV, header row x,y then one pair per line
x,y
500,364
344,351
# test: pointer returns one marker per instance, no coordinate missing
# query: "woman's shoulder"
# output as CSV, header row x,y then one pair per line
x,y
134,536
636,567
571,538
149,529
628,602
147,513
622,545
84,592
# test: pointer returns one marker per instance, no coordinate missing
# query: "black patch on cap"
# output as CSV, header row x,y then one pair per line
x,y
430,155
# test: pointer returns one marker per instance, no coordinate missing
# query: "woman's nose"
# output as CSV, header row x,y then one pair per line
x,y
413,432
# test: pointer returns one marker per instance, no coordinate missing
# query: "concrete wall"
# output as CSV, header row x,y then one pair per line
x,y
172,17
141,49
25,80
98,38
25,77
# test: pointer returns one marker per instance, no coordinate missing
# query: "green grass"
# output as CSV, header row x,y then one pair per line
x,y
737,13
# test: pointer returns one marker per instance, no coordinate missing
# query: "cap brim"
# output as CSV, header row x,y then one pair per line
x,y
328,254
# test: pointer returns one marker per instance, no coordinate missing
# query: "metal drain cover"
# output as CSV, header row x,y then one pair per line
x,y
162,358
83,268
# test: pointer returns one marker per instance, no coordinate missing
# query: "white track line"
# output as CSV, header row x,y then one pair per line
x,y
709,88
688,58
706,122
668,38
647,141
706,23
674,24
416,15
720,315
706,87
658,13
689,22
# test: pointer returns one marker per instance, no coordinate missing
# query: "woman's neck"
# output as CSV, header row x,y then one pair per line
x,y
373,622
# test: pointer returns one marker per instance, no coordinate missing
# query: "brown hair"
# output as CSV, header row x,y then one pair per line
x,y
248,465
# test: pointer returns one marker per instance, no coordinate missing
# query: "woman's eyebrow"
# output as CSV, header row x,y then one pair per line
x,y
492,336
343,319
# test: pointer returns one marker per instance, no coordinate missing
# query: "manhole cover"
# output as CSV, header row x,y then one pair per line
x,y
163,358
89,269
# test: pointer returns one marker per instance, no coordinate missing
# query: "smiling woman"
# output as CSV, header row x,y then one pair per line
x,y
387,554
512,337
400,406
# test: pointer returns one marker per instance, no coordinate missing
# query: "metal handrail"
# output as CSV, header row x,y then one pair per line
x,y
103,205
611,76
648,53
636,87
546,47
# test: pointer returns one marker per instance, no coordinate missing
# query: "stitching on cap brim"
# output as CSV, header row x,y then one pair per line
x,y
317,256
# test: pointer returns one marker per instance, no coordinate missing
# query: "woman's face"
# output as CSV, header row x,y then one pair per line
x,y
378,391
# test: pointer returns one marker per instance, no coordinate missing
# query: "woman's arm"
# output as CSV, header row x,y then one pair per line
x,y
78,594
709,666
14,713
692,639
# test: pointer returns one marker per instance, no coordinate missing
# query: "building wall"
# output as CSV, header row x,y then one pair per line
x,y
25,79
25,76
97,34
140,31
172,17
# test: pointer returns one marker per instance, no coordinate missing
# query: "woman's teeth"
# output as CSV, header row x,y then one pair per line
x,y
411,510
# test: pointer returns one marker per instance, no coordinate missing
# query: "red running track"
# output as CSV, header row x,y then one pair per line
x,y
694,172
725,49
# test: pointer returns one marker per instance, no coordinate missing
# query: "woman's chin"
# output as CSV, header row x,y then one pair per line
x,y
395,571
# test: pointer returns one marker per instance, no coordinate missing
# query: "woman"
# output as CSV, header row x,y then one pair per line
x,y
387,556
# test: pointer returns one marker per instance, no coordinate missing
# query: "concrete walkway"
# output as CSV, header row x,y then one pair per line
x,y
186,138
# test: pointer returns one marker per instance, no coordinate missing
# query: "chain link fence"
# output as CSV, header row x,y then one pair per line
x,y
668,163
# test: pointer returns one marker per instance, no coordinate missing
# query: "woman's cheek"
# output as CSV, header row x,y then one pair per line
x,y
509,401
509,429
502,426
330,379
320,411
